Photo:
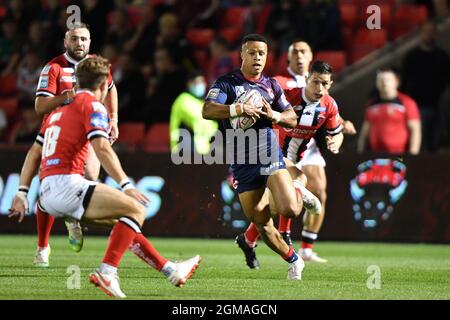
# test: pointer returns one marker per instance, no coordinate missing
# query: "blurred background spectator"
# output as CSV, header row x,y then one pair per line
x,y
391,121
186,113
426,76
153,45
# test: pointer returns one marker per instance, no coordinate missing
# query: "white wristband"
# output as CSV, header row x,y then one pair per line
x,y
276,116
126,184
24,189
233,112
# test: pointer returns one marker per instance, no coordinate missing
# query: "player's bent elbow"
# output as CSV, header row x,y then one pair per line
x,y
206,111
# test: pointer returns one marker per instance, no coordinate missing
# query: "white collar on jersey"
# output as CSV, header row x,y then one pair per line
x,y
301,80
71,60
84,91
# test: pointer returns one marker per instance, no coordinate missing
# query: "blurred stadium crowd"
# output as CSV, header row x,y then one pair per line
x,y
153,45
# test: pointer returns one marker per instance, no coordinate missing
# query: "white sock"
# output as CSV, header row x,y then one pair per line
x,y
168,268
306,251
107,269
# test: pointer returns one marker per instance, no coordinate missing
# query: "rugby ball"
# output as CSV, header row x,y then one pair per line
x,y
252,97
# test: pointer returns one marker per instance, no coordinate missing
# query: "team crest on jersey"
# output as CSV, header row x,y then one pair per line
x,y
239,90
46,69
43,82
99,120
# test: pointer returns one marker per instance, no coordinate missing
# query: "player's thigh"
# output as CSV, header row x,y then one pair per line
x,y
251,205
284,195
295,172
92,168
317,179
109,203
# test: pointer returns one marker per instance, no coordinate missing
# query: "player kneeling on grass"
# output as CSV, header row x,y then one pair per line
x,y
64,192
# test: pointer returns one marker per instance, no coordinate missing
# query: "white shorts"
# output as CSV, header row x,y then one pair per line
x,y
65,195
311,156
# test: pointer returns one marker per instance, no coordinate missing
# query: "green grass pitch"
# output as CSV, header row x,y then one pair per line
x,y
407,271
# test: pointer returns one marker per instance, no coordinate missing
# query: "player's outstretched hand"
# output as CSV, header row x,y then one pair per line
x,y
348,128
136,194
332,145
19,207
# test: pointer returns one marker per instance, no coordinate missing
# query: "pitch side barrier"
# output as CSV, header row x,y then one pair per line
x,y
370,198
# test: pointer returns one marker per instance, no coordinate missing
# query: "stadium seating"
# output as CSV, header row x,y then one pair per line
x,y
236,58
233,17
9,106
231,34
366,41
157,138
8,85
131,135
200,37
349,14
282,62
337,59
407,18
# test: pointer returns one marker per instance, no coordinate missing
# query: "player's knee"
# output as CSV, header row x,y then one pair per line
x,y
137,212
322,195
292,209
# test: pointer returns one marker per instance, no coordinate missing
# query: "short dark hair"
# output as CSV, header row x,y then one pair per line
x,y
321,67
92,72
194,73
253,37
392,69
78,25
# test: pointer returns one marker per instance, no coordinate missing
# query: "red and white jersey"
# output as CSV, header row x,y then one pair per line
x,y
289,80
66,132
311,117
58,76
388,121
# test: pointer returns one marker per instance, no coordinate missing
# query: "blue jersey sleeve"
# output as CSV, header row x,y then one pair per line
x,y
280,102
218,92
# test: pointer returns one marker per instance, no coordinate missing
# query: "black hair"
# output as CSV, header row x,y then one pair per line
x,y
194,74
392,69
321,67
253,37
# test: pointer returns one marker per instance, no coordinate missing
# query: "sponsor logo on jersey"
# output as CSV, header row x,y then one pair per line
x,y
43,82
52,162
69,70
213,93
70,79
46,70
99,120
